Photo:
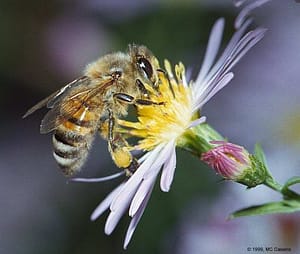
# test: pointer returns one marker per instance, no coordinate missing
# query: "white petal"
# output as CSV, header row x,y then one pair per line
x,y
212,49
150,176
122,200
249,41
223,82
97,180
201,87
134,181
198,121
218,77
151,165
238,3
161,159
105,203
115,216
246,10
227,51
168,172
143,158
135,220
142,192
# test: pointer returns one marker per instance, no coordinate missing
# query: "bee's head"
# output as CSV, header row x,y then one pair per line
x,y
146,63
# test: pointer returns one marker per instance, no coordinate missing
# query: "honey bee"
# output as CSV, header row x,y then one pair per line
x,y
94,102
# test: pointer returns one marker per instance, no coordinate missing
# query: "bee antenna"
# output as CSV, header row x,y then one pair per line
x,y
96,180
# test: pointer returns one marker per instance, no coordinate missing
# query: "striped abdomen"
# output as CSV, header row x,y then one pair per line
x,y
72,140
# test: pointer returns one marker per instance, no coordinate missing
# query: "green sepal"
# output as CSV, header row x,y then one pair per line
x,y
254,175
260,155
285,206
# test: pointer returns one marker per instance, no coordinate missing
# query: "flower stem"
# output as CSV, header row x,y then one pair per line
x,y
287,193
270,182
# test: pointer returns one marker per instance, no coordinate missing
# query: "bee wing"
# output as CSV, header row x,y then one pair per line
x,y
51,120
63,110
84,80
55,97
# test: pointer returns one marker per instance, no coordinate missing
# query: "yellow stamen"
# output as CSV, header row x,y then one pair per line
x,y
161,123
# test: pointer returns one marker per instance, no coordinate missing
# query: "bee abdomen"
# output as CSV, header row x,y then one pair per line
x,y
81,122
70,150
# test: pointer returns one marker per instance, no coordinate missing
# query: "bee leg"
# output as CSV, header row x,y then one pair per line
x,y
119,148
147,102
123,97
103,129
132,167
142,88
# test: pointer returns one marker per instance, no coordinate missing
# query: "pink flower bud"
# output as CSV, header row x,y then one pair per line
x,y
227,159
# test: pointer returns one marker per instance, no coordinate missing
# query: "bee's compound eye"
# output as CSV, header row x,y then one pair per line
x,y
146,66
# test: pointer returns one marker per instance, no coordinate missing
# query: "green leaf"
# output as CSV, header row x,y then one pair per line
x,y
259,153
285,206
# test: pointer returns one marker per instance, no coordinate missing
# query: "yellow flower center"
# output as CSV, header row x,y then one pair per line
x,y
169,117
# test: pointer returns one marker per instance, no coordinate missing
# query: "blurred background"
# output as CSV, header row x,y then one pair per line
x,y
46,44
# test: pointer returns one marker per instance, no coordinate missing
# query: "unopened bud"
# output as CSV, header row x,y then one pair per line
x,y
233,162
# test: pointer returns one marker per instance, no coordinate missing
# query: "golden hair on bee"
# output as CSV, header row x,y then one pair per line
x,y
94,102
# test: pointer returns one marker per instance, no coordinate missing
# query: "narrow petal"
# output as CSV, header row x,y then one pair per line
x,y
150,177
168,172
219,75
116,215
122,201
254,37
198,121
212,48
135,220
238,3
143,191
97,180
134,181
227,51
201,87
246,10
105,203
222,83
160,160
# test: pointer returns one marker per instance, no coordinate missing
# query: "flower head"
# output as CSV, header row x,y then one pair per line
x,y
170,117
233,162
179,102
173,121
229,160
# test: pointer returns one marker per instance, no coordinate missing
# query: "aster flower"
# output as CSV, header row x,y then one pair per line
x,y
175,122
